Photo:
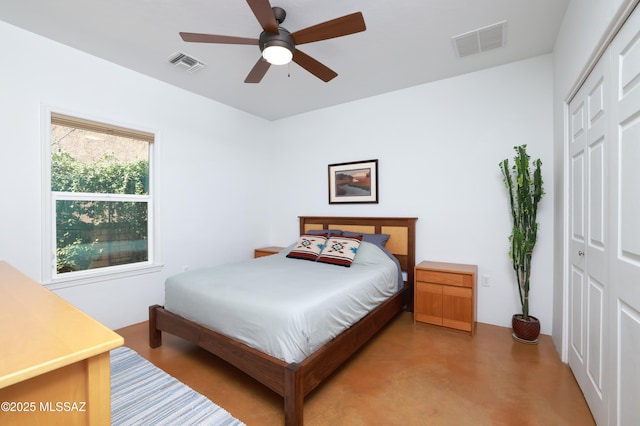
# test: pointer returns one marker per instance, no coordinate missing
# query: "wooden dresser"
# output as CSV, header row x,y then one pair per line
x,y
54,359
445,295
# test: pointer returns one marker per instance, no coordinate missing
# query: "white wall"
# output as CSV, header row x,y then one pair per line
x,y
438,147
582,33
211,162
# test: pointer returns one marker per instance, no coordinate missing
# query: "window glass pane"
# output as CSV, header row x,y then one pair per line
x,y
94,234
94,162
101,193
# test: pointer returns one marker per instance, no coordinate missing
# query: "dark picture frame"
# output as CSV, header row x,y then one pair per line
x,y
353,183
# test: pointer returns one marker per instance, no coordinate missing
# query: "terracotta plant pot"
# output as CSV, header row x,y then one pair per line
x,y
525,331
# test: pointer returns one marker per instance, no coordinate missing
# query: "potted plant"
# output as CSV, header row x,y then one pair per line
x,y
525,192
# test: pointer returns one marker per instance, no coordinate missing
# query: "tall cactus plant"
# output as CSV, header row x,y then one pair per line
x,y
525,192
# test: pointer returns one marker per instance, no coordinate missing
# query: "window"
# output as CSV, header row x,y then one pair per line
x,y
100,198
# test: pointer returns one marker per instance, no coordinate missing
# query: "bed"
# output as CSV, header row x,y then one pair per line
x,y
294,376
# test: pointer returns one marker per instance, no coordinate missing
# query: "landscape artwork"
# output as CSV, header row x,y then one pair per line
x,y
355,182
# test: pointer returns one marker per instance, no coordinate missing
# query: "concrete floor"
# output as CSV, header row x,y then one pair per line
x,y
407,375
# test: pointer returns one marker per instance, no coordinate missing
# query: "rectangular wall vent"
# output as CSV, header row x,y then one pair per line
x,y
480,40
185,61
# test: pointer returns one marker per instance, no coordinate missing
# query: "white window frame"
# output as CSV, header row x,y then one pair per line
x,y
51,278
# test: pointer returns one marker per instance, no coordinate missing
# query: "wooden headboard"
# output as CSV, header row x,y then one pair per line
x,y
402,243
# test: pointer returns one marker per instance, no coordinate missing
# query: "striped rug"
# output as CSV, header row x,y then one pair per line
x,y
142,394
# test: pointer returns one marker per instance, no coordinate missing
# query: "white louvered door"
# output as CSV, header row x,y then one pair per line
x,y
588,237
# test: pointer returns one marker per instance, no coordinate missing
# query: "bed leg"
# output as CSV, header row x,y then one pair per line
x,y
155,335
293,395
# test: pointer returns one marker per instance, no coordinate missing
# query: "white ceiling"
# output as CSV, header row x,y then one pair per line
x,y
406,43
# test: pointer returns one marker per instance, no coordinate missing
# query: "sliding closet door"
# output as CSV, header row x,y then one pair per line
x,y
625,224
588,237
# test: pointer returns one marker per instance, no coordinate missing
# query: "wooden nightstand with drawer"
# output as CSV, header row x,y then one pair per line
x,y
266,251
445,295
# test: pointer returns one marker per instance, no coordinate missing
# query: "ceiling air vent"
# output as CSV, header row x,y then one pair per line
x,y
185,61
480,40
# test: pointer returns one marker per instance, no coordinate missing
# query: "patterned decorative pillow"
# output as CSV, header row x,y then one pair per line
x,y
308,247
340,250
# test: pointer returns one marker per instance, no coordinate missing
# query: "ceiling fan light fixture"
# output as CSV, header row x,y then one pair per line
x,y
277,49
277,55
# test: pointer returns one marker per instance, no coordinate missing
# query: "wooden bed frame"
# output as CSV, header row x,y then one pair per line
x,y
295,380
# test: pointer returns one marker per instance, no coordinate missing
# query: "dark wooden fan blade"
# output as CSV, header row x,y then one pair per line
x,y
321,71
212,38
258,71
348,24
262,10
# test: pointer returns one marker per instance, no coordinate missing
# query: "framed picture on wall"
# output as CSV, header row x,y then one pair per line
x,y
355,182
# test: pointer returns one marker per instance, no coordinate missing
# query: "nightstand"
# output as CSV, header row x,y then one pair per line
x,y
266,251
445,295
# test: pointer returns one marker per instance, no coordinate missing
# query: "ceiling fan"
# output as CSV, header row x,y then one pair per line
x,y
278,45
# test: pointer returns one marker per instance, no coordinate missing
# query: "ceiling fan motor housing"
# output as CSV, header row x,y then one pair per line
x,y
283,39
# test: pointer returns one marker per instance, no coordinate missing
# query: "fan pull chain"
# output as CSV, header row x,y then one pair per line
x,y
289,70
